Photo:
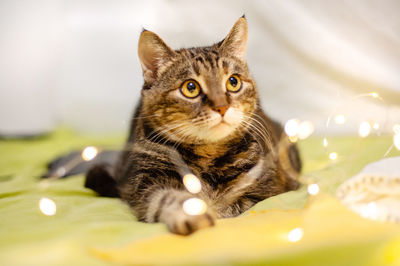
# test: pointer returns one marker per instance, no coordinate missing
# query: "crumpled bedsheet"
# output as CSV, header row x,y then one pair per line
x,y
89,230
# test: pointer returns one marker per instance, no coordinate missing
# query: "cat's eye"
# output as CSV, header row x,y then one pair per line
x,y
234,84
190,89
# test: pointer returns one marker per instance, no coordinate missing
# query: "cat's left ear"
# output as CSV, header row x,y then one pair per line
x,y
236,41
153,53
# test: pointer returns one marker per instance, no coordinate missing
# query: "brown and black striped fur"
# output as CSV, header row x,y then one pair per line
x,y
170,135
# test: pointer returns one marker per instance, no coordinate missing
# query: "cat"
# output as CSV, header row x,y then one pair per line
x,y
199,113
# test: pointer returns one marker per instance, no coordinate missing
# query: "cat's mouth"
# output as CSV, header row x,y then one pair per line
x,y
221,125
220,129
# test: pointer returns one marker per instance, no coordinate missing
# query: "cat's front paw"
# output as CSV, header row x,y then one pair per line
x,y
184,224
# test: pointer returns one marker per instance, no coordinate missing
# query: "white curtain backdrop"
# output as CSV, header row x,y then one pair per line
x,y
75,62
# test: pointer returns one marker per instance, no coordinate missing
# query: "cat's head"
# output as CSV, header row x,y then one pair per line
x,y
198,95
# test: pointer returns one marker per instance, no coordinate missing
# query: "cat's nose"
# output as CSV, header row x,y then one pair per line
x,y
221,109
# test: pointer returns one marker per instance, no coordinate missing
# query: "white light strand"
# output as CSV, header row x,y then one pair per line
x,y
333,156
364,129
296,129
292,127
47,206
89,153
194,206
313,189
340,119
192,183
295,235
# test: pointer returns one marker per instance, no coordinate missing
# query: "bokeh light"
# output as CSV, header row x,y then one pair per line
x,y
194,206
89,153
364,129
295,235
340,119
325,142
292,127
306,128
192,183
47,206
396,141
313,189
333,156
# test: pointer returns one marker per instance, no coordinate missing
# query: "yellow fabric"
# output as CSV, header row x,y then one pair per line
x,y
90,230
326,223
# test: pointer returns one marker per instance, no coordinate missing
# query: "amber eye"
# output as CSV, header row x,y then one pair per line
x,y
234,84
190,89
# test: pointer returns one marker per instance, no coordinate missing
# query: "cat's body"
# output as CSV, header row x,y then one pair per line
x,y
199,114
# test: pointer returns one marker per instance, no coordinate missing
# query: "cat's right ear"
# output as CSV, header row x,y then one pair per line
x,y
153,54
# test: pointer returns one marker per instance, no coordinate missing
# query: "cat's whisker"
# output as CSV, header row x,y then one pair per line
x,y
265,132
145,116
259,132
185,131
160,134
182,138
252,131
164,129
174,133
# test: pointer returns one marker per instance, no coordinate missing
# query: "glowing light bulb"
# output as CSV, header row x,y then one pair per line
x,y
47,206
313,189
192,183
293,139
306,128
364,129
325,142
340,119
370,211
194,206
396,141
292,127
295,235
376,126
374,95
89,153
333,156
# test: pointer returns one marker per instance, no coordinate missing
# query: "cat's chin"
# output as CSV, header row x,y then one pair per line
x,y
219,132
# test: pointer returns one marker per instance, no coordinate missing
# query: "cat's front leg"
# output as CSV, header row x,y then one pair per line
x,y
166,206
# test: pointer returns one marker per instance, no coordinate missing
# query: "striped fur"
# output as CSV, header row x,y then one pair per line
x,y
239,163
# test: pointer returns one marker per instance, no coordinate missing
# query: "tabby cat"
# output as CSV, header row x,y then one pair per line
x,y
199,113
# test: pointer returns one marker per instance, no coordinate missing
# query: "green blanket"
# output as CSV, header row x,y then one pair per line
x,y
84,222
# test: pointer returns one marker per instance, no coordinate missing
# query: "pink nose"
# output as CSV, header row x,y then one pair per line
x,y
221,109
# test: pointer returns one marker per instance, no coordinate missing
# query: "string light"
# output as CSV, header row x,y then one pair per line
x,y
296,129
364,129
325,142
396,141
306,128
340,119
194,206
376,126
192,183
333,156
313,189
370,211
292,127
47,206
374,95
295,235
89,153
